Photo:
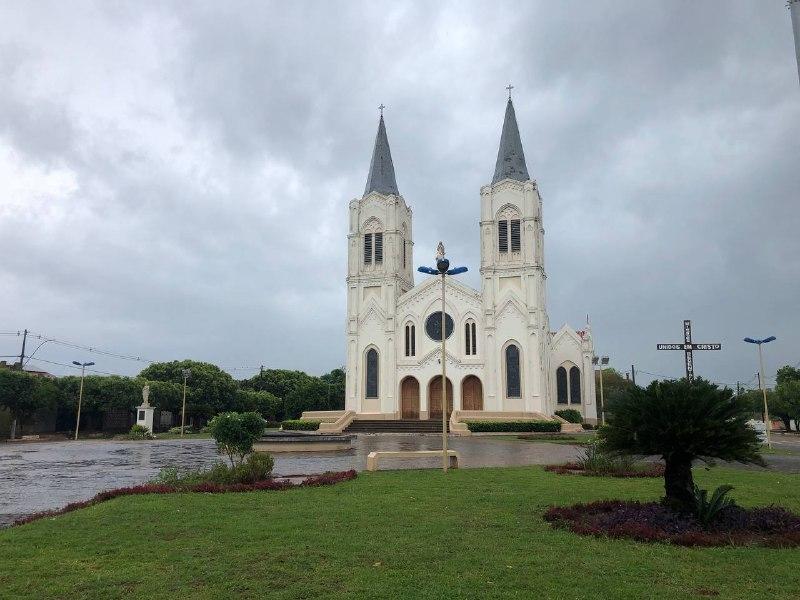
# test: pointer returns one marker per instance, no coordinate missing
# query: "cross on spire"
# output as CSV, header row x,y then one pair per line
x,y
509,87
381,107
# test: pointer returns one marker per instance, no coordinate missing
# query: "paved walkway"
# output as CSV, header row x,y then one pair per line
x,y
45,475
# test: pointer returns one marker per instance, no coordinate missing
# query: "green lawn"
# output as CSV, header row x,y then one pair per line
x,y
475,533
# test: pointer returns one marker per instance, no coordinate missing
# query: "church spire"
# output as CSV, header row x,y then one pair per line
x,y
510,157
381,170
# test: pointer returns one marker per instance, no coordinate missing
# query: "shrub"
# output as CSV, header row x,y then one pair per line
x,y
707,509
570,415
513,426
235,434
139,432
256,467
300,425
272,424
187,428
588,426
681,421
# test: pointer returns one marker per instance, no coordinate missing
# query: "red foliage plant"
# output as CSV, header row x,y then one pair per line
x,y
571,468
770,526
275,484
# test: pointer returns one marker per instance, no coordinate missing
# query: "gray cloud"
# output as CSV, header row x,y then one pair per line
x,y
174,178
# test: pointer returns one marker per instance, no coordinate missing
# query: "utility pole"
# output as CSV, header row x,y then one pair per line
x,y
22,353
633,375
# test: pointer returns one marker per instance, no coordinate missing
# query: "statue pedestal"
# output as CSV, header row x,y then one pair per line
x,y
144,416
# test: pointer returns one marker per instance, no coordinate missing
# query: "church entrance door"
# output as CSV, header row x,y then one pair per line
x,y
471,393
409,398
435,397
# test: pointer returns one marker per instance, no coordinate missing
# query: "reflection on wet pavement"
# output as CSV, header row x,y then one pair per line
x,y
46,475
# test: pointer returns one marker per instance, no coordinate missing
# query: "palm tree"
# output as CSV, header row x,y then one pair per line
x,y
681,422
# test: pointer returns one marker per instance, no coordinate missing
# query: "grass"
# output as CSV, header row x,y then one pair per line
x,y
475,533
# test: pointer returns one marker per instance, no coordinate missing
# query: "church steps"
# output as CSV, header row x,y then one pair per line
x,y
395,426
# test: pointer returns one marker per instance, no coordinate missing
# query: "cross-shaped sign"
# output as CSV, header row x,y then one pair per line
x,y
688,347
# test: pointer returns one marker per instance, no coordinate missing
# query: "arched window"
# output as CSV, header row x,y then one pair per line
x,y
411,340
513,386
373,242
372,373
575,385
470,341
509,231
561,385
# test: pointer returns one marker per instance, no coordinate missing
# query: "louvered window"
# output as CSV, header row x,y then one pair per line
x,y
467,332
413,340
379,247
515,237
502,235
367,248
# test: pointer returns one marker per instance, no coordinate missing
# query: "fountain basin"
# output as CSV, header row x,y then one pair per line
x,y
298,441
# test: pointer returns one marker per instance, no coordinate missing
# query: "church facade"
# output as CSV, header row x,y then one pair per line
x,y
502,357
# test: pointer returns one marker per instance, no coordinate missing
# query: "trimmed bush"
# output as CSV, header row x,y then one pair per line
x,y
570,415
514,426
300,425
588,426
235,434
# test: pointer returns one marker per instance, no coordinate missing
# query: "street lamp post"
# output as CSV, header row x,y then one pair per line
x,y
443,269
597,360
80,393
761,383
186,374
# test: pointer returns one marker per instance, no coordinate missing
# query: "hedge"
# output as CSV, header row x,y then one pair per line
x,y
300,425
570,415
514,426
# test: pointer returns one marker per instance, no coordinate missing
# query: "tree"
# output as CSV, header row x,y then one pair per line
x,y
787,391
235,433
264,403
278,382
22,394
310,395
682,422
210,390
336,388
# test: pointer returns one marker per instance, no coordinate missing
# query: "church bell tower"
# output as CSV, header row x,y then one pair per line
x,y
379,270
513,278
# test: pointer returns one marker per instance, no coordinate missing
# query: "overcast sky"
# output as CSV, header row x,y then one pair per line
x,y
174,177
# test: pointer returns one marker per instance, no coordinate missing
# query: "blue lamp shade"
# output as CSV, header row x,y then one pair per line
x,y
771,338
457,271
428,270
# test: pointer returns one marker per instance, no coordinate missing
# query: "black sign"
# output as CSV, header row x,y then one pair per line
x,y
688,347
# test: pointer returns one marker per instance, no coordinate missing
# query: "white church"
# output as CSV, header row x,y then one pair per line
x,y
503,360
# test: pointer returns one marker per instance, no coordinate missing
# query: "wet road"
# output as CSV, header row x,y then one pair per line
x,y
45,475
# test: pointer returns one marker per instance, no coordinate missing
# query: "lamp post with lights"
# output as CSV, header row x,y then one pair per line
x,y
83,366
443,269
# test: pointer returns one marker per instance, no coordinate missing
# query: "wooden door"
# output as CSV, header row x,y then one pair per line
x,y
471,393
409,398
435,397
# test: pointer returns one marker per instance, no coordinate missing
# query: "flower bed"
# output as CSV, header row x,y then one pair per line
x,y
771,526
275,483
637,470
